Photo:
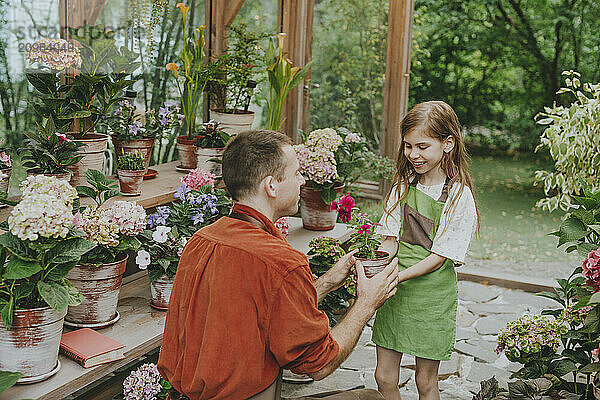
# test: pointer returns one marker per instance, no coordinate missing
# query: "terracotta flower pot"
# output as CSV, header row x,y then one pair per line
x,y
187,153
373,266
63,176
316,215
142,147
94,145
100,286
161,292
31,346
130,182
233,123
204,157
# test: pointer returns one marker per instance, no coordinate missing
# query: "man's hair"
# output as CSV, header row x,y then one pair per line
x,y
250,157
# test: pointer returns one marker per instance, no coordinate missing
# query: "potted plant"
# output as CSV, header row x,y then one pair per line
x,y
197,204
49,152
134,133
367,241
232,89
282,79
210,146
191,79
97,71
130,171
5,170
114,229
145,383
41,245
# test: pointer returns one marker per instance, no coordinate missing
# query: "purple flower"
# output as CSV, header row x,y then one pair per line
x,y
198,218
164,121
180,117
163,111
134,128
118,111
181,192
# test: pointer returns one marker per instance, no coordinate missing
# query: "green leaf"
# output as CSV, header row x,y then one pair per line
x,y
6,314
75,298
588,203
87,191
54,294
585,216
584,249
576,356
128,243
328,195
23,290
58,272
562,367
154,274
69,250
595,299
552,296
572,229
8,379
591,368
19,269
17,247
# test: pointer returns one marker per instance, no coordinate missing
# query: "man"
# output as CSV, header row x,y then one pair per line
x,y
244,304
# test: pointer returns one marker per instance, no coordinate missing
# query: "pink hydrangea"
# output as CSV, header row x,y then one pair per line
x,y
57,54
352,137
198,178
318,166
283,225
323,139
591,269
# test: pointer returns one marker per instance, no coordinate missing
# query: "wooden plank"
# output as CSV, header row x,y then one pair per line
x,y
231,11
527,284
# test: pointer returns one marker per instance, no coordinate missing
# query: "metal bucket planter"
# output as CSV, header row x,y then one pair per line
x,y
204,157
187,153
100,286
31,346
233,123
142,147
94,145
373,266
316,215
63,176
130,182
161,289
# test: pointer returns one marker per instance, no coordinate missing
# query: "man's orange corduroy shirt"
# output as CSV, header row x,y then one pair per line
x,y
243,305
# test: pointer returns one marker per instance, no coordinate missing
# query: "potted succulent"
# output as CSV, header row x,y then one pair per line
x,y
39,248
134,133
210,146
191,79
232,89
114,229
197,204
367,242
49,152
5,170
130,171
96,77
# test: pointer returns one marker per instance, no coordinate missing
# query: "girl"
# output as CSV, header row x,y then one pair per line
x,y
429,219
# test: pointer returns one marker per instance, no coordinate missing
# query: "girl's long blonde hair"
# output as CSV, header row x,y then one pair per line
x,y
439,121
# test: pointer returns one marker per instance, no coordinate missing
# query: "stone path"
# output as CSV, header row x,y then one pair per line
x,y
482,312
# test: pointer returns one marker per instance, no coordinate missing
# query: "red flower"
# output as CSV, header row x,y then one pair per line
x,y
347,203
333,206
591,269
364,229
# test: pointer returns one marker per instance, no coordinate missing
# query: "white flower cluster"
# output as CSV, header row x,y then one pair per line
x,y
40,214
105,225
130,217
326,139
58,188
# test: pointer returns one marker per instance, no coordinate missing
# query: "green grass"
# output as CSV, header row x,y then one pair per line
x,y
512,228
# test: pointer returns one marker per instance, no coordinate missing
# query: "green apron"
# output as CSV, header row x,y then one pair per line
x,y
420,319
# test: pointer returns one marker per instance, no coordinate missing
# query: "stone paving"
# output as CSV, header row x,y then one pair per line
x,y
482,312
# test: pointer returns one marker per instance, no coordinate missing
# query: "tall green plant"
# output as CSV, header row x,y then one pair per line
x,y
282,79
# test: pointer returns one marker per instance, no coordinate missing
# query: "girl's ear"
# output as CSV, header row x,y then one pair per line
x,y
449,143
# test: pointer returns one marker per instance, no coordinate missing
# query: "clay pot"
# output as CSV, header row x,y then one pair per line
x,y
204,157
187,152
100,286
142,147
130,182
63,176
94,145
316,215
373,266
31,346
161,289
233,123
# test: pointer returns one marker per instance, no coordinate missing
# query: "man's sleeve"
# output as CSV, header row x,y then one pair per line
x,y
299,335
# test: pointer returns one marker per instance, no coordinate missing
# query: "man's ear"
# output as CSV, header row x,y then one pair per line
x,y
269,185
449,143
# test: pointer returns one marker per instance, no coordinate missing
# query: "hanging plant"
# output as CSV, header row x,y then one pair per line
x,y
146,15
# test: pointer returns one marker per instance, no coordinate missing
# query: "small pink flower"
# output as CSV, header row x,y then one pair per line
x,y
364,229
5,158
197,178
78,220
283,225
333,206
63,136
591,269
347,203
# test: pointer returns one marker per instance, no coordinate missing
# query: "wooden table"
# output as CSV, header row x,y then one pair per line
x,y
140,328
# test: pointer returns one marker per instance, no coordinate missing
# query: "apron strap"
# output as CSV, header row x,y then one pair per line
x,y
445,189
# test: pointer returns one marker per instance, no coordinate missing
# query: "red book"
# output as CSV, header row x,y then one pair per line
x,y
90,348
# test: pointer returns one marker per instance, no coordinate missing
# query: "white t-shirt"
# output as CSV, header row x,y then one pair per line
x,y
451,241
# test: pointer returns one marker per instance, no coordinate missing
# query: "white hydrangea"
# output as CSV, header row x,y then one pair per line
x,y
323,139
100,227
129,216
40,214
58,188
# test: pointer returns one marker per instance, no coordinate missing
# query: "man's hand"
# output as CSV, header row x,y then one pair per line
x,y
373,292
335,277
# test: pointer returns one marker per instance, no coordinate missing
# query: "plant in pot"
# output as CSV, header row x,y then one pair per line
x,y
134,133
231,90
191,78
319,167
49,152
130,171
5,169
114,228
323,253
96,77
210,145
40,247
282,79
367,242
